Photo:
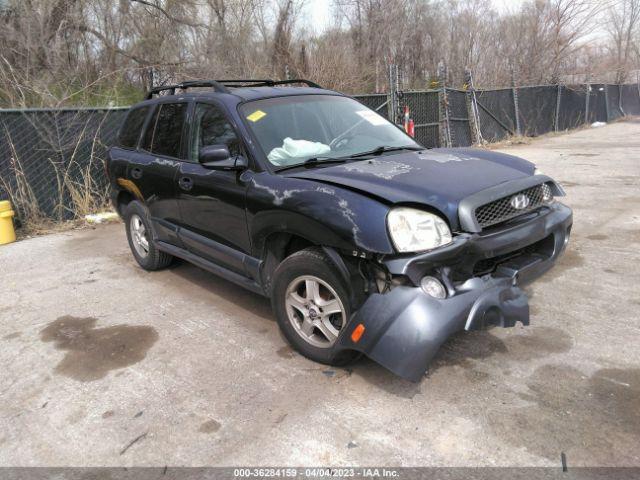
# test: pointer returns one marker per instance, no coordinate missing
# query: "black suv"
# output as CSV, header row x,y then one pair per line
x,y
365,241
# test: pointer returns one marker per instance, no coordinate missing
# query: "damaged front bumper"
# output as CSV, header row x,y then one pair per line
x,y
404,328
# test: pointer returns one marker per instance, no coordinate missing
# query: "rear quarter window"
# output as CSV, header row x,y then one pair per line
x,y
132,126
164,132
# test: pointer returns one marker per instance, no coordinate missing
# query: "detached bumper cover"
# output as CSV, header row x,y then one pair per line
x,y
405,328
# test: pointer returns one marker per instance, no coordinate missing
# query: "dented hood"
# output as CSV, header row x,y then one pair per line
x,y
439,178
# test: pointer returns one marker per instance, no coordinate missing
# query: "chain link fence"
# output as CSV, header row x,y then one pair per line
x,y
530,111
424,110
572,113
458,113
377,102
52,161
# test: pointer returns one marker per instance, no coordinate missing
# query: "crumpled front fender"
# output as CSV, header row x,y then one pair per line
x,y
405,327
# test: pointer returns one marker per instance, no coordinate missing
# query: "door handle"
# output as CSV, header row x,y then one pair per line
x,y
185,183
136,172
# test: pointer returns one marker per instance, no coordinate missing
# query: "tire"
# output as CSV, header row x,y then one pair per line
x,y
290,281
139,235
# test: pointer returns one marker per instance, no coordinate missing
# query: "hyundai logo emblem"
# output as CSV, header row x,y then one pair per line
x,y
520,201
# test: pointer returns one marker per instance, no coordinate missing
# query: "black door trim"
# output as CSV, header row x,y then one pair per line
x,y
214,268
219,253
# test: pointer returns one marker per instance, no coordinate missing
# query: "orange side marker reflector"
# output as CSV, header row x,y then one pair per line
x,y
357,333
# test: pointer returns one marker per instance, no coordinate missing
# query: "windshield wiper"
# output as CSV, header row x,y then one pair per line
x,y
312,162
383,149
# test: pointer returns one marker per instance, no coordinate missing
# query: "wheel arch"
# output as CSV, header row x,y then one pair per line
x,y
123,199
280,223
279,245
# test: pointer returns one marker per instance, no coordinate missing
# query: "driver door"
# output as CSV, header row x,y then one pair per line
x,y
212,202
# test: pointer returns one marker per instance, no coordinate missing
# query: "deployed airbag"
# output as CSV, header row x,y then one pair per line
x,y
292,150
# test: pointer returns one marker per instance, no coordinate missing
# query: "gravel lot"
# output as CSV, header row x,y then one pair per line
x,y
182,368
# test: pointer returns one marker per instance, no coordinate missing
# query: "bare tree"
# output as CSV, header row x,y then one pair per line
x,y
623,27
58,52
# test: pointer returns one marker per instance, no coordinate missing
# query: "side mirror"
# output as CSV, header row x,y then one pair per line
x,y
217,157
213,153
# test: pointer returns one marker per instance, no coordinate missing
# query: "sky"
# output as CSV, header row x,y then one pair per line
x,y
318,12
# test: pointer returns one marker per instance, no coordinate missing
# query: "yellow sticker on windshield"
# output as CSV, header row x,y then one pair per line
x,y
257,115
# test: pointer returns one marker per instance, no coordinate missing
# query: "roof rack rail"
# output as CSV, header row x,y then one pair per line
x,y
217,86
222,86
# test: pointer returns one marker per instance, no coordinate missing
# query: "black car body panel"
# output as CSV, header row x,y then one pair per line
x,y
223,221
320,213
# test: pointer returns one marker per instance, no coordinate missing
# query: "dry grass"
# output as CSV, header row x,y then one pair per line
x,y
86,195
79,192
512,140
526,140
49,226
21,194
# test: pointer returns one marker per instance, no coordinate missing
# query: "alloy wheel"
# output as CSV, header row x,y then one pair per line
x,y
139,235
314,310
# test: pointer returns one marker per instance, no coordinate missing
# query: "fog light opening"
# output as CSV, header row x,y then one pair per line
x,y
433,287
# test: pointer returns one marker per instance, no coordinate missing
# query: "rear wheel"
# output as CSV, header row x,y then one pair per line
x,y
140,238
311,303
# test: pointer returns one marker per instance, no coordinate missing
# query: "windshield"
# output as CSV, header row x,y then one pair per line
x,y
291,130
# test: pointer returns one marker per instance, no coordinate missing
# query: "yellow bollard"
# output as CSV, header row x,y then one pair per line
x,y
7,233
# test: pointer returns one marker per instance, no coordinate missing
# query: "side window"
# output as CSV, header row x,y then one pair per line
x,y
211,127
164,133
130,131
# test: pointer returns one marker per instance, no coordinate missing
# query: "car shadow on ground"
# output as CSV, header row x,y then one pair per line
x,y
459,350
211,284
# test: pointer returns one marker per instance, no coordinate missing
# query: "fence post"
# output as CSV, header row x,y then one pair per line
x,y
516,106
394,104
443,111
558,100
606,101
620,100
586,102
472,108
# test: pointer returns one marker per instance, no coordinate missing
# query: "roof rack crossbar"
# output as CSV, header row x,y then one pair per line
x,y
221,85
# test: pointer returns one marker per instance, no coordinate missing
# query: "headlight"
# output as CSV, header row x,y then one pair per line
x,y
414,230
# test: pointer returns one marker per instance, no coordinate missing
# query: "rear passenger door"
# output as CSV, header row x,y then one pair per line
x,y
153,169
125,149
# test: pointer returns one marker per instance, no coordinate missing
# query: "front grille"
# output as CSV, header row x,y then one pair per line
x,y
501,210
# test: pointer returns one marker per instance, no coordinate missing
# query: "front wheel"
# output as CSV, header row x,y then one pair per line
x,y
311,303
